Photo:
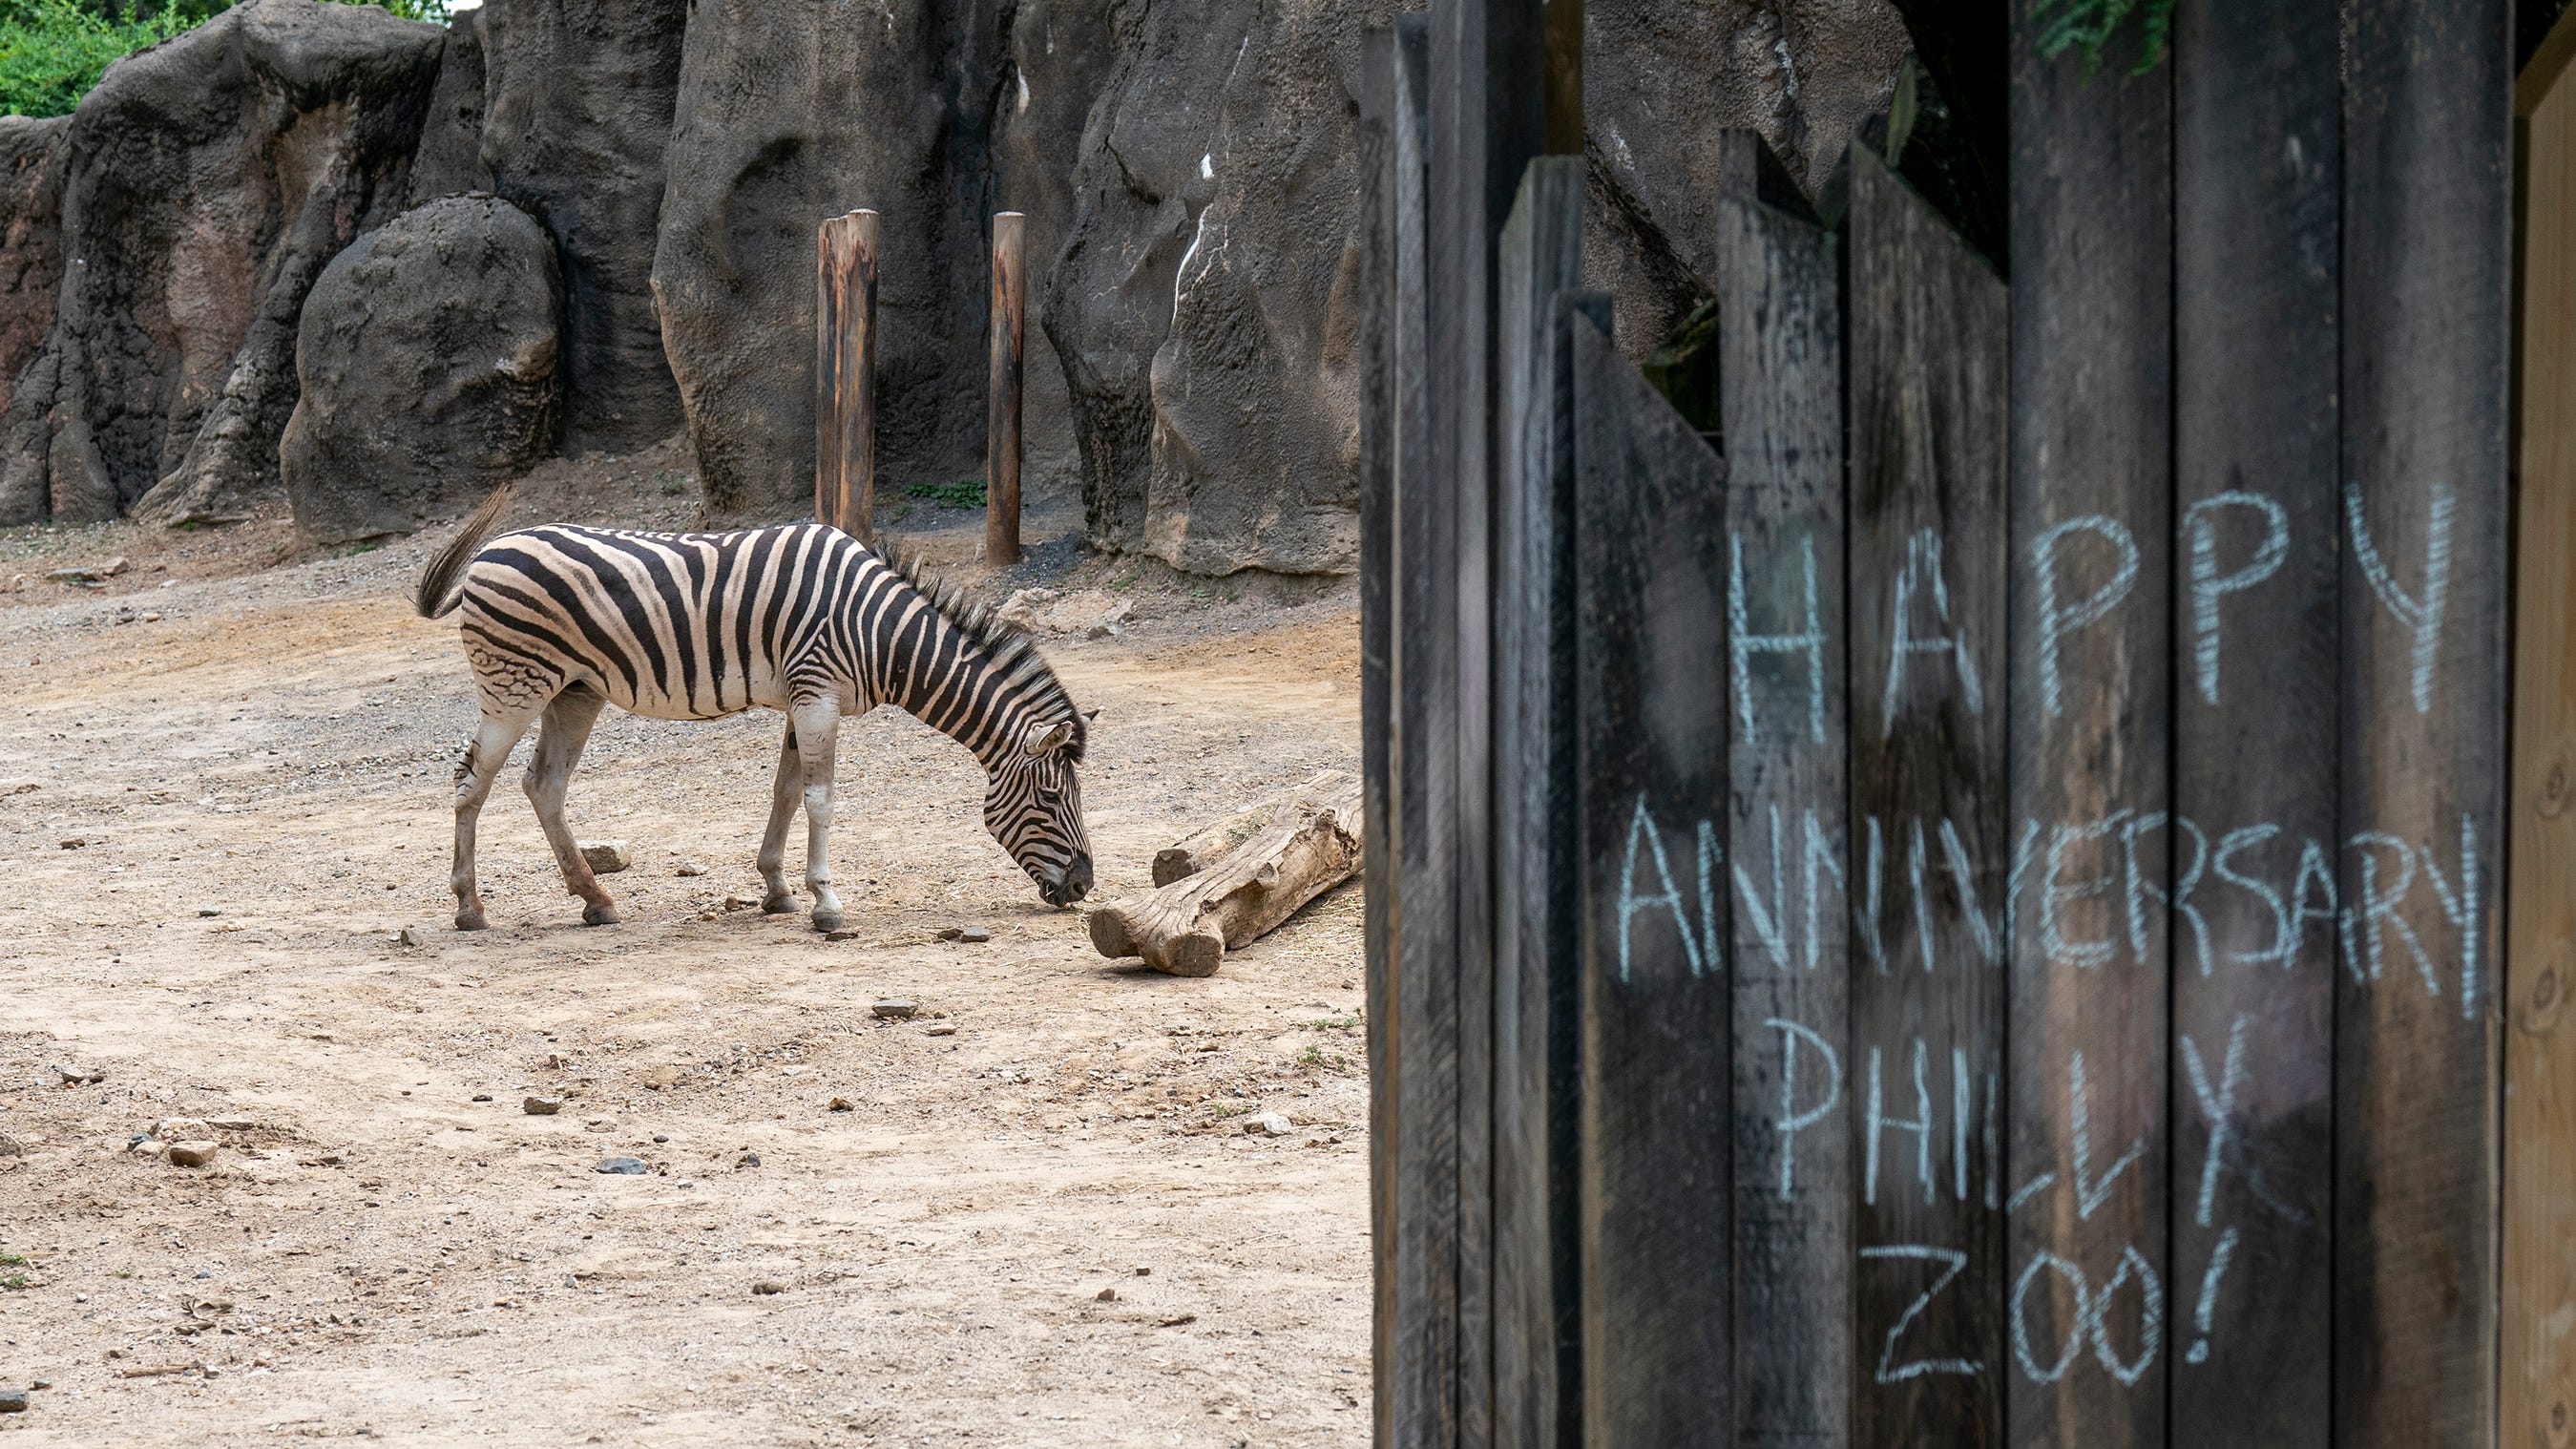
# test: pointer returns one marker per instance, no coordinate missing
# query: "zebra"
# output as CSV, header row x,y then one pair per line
x,y
560,621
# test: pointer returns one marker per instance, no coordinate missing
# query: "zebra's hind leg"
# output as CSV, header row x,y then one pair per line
x,y
484,756
818,728
775,898
559,746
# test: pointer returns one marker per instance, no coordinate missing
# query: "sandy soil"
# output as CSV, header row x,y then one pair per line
x,y
1034,1220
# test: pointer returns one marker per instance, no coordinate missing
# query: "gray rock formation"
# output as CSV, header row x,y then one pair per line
x,y
449,159
428,364
935,113
208,181
31,239
577,112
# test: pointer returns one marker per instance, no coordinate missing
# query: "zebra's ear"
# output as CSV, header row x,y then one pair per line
x,y
1047,739
1090,714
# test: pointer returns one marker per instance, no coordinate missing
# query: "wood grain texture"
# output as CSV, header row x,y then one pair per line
x,y
1535,1346
1780,395
1377,316
2427,115
2538,1404
1002,390
1930,326
845,413
2257,193
1310,843
2091,532
1656,1159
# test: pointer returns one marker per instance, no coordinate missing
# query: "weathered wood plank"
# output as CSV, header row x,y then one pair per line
x,y
1424,1026
1534,1339
2426,232
2257,188
845,360
1656,1157
1780,396
2539,1245
1378,190
2091,531
1930,325
1002,390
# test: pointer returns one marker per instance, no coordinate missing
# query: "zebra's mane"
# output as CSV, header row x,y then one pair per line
x,y
1024,672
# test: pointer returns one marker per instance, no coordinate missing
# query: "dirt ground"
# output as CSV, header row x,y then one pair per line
x,y
1028,1216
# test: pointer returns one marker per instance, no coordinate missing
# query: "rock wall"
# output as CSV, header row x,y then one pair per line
x,y
449,159
428,368
31,239
208,181
577,98
934,113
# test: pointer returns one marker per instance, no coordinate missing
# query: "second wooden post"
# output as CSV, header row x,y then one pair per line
x,y
1002,418
845,358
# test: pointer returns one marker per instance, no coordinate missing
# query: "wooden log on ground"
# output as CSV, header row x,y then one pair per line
x,y
1311,844
1209,844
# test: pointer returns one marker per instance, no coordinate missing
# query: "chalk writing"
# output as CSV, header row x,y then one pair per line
x,y
2208,585
2420,616
1743,643
1953,1263
2058,619
1793,1118
2092,1309
1922,569
2209,1296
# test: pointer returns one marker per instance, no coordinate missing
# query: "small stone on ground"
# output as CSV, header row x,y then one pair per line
x,y
621,1166
606,856
1269,1124
689,868
974,935
767,1286
192,1154
895,1008
541,1106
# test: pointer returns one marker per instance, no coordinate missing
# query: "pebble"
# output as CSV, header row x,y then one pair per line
x,y
73,1076
413,936
1106,1295
541,1106
841,1104
895,1008
767,1286
482,1096
192,1154
1144,1272
688,868
1269,1124
13,1401
748,1159
621,1166
659,1137
974,935
607,857
144,1143
951,933
740,903
660,1077
177,1129
11,1146
943,1029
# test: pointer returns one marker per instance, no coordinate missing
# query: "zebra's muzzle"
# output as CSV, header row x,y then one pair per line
x,y
1066,886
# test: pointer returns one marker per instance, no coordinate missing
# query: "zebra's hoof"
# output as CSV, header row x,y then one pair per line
x,y
783,903
600,915
827,920
469,920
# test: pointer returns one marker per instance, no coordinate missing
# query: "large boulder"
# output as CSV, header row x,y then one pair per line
x,y
31,239
576,116
208,181
934,114
429,367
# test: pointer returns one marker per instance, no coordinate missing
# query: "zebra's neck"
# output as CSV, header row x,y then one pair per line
x,y
941,674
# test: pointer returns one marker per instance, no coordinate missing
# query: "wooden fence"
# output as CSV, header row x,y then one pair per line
x,y
1974,914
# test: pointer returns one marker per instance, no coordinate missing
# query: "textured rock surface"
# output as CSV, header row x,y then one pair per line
x,y
577,113
209,180
928,111
31,238
429,369
1662,82
449,159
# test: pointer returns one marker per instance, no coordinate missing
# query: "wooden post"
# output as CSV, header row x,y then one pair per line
x,y
2539,1388
845,387
1002,414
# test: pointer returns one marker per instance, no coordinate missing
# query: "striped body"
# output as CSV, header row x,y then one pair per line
x,y
559,621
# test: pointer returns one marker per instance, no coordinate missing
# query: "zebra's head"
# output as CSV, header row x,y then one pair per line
x,y
1033,806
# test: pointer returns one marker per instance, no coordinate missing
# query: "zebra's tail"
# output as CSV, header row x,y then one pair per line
x,y
438,591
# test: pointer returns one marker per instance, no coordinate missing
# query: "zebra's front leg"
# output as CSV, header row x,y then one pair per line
x,y
559,746
818,727
783,795
484,756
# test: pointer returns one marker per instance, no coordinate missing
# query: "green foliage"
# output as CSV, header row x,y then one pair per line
x,y
53,51
2090,24
964,493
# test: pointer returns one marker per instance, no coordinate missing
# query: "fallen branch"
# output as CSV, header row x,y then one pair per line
x,y
1310,844
1209,844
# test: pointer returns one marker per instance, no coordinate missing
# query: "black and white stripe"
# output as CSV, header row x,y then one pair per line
x,y
559,621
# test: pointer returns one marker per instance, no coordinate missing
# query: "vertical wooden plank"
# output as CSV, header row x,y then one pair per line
x,y
2091,532
2257,188
1656,1158
1002,414
1929,336
831,279
2539,1250
856,376
1534,1346
1780,397
1378,641
2427,116
1424,1026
